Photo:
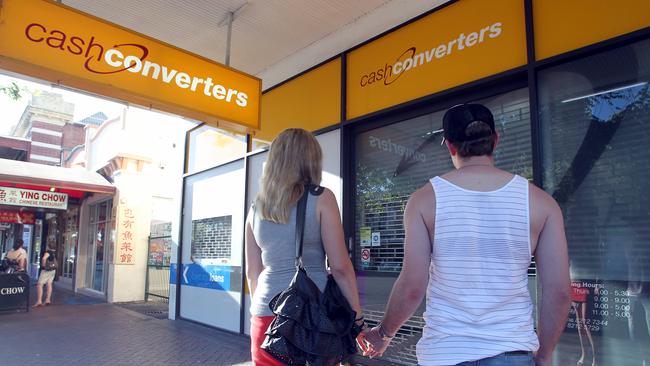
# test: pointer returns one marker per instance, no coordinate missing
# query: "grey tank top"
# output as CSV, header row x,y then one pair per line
x,y
278,245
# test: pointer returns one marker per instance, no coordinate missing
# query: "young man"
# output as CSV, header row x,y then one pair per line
x,y
469,238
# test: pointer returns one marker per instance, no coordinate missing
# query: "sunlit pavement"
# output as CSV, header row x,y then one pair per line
x,y
75,333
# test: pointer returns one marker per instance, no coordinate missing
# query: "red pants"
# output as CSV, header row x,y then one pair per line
x,y
259,324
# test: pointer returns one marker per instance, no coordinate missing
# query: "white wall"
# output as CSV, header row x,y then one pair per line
x,y
127,281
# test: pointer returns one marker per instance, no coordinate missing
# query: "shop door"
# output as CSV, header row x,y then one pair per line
x,y
99,245
212,246
70,243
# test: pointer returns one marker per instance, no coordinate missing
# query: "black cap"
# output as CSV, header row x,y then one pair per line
x,y
458,117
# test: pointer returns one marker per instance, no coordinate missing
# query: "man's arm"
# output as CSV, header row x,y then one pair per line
x,y
410,287
553,274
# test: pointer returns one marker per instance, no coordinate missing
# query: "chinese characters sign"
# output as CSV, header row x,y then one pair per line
x,y
15,217
126,238
29,198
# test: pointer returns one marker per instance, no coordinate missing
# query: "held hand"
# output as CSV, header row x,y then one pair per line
x,y
378,345
361,341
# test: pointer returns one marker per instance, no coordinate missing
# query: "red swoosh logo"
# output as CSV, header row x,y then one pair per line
x,y
145,53
412,50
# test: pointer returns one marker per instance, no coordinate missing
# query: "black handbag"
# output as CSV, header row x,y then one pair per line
x,y
310,328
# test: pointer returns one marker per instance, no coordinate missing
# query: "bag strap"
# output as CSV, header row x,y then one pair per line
x,y
301,209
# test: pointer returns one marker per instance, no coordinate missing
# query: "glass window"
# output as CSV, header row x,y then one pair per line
x,y
260,144
391,163
595,118
210,146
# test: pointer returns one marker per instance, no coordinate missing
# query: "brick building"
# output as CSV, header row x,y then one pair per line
x,y
48,123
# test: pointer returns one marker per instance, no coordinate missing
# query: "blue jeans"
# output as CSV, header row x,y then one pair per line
x,y
503,360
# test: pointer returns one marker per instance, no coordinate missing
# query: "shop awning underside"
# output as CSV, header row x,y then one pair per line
x,y
24,173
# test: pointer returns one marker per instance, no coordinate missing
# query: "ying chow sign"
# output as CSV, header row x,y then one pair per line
x,y
29,198
53,42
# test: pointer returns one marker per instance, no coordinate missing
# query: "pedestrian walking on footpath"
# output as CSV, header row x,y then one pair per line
x,y
470,235
293,165
48,272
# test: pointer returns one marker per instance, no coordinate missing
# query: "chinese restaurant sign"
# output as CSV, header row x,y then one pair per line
x,y
125,240
465,41
57,43
29,198
15,217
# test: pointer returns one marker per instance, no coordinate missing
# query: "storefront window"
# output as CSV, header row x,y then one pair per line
x,y
595,118
210,146
391,163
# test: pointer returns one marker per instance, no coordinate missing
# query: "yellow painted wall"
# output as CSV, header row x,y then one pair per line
x,y
566,25
311,101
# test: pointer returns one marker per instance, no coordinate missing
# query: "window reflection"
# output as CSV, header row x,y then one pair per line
x,y
210,146
391,163
595,117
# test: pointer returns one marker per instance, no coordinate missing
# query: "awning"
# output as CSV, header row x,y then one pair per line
x,y
22,173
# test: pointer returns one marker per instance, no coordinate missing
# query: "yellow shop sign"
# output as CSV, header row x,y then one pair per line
x,y
53,42
465,41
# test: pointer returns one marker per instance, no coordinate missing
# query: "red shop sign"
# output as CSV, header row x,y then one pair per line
x,y
16,217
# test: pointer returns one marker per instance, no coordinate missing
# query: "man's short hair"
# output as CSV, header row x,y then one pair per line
x,y
470,128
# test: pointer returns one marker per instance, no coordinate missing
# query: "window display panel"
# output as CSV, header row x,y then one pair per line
x,y
210,146
391,163
595,118
213,248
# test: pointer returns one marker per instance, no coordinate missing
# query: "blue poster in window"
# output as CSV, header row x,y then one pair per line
x,y
206,276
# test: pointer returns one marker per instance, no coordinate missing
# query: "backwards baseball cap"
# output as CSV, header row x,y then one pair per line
x,y
458,117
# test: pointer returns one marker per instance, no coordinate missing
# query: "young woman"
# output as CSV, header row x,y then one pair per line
x,y
295,160
18,254
48,272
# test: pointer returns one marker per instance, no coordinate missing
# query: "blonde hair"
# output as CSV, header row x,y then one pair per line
x,y
295,159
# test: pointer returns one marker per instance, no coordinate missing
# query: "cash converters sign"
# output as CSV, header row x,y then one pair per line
x,y
53,42
464,41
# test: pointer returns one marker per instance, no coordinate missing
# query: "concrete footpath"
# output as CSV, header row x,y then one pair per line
x,y
80,332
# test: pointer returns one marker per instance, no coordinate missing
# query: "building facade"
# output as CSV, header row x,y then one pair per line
x,y
568,86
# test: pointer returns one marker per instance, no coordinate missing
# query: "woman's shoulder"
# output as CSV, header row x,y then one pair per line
x,y
322,194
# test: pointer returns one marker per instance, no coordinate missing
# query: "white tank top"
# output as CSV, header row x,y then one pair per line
x,y
478,304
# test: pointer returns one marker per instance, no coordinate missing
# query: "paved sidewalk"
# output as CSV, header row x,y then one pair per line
x,y
104,334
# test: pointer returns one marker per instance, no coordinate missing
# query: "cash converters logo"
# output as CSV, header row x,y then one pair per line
x,y
130,57
411,59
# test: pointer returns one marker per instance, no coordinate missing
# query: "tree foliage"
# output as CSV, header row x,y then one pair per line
x,y
13,91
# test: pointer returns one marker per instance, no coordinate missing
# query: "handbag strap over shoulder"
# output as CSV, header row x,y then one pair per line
x,y
301,210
